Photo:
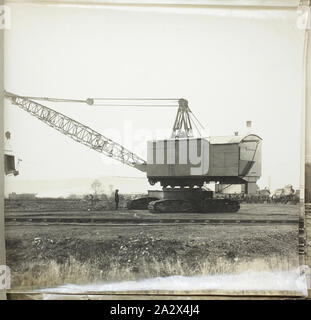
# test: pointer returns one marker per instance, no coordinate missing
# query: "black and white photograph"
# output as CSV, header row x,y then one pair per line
x,y
156,147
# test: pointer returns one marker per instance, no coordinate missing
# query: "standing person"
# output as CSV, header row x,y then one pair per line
x,y
116,198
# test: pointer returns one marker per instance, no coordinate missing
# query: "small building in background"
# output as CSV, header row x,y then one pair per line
x,y
27,196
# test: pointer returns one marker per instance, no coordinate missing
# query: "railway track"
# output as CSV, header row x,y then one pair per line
x,y
147,221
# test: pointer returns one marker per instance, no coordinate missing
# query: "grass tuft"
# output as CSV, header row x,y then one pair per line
x,y
46,274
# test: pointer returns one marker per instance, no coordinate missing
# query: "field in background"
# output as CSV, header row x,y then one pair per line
x,y
61,204
104,202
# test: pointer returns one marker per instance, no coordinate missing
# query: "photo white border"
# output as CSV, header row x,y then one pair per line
x,y
306,108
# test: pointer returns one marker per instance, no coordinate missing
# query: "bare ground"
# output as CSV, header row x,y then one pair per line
x,y
140,251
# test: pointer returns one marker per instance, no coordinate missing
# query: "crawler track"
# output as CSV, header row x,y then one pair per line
x,y
146,221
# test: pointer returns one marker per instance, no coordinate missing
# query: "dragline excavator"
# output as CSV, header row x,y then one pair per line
x,y
181,163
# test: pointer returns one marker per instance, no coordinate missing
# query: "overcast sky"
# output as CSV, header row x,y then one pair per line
x,y
231,65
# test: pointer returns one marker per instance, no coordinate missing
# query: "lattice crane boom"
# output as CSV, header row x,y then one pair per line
x,y
78,132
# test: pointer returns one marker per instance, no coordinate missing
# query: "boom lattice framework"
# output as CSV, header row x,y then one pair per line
x,y
78,132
